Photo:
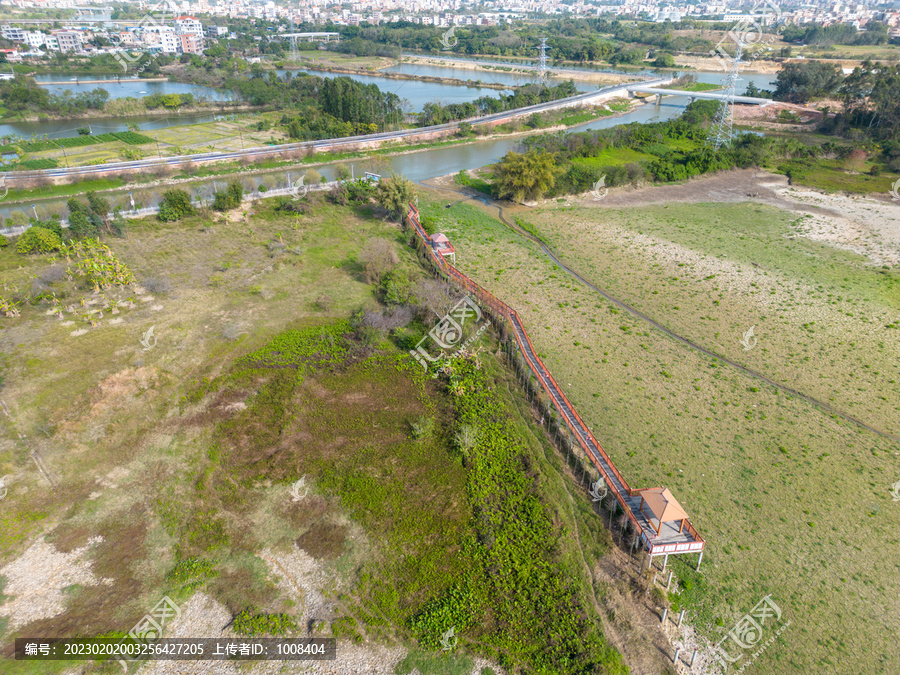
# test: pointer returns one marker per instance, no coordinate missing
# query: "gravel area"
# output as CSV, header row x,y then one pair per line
x,y
36,579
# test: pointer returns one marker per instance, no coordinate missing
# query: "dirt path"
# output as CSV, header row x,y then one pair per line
x,y
725,187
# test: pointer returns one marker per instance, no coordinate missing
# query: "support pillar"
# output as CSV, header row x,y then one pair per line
x,y
677,652
665,561
693,658
669,581
681,617
699,560
665,614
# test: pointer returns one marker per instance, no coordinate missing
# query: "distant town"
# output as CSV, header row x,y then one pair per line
x,y
174,28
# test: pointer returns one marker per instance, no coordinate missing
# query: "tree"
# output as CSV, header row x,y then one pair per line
x,y
395,193
176,204
664,60
526,177
800,81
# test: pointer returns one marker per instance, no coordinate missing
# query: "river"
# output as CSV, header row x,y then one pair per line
x,y
417,166
417,93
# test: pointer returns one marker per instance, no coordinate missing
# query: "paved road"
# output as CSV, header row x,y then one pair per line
x,y
331,144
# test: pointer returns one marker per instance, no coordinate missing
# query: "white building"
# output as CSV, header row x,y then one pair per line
x,y
185,25
14,34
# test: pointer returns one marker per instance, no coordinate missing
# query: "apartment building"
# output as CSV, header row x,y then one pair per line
x,y
188,24
14,34
68,40
190,44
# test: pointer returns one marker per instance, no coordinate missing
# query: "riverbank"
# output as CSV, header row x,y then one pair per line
x,y
323,159
405,76
560,73
220,108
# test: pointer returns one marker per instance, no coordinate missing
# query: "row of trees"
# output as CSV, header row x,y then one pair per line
x,y
567,39
23,94
869,95
530,94
552,165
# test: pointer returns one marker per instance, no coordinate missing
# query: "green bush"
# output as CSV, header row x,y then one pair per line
x,y
396,288
4,242
230,199
251,625
38,240
176,205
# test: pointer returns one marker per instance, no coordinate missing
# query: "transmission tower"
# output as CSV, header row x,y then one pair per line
x,y
542,64
723,124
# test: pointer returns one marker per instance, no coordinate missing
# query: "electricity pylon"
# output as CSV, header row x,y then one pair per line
x,y
722,127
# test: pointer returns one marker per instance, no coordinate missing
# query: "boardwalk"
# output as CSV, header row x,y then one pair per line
x,y
671,539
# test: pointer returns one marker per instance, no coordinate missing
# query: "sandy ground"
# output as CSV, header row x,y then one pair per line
x,y
302,579
37,579
766,115
869,226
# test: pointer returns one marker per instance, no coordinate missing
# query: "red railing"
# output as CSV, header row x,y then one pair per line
x,y
543,375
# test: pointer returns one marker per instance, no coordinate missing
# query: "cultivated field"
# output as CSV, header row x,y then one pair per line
x,y
794,501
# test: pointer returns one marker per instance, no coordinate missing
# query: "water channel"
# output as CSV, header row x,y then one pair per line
x,y
416,92
417,166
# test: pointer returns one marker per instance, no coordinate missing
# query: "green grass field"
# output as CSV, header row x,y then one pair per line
x,y
793,503
182,456
614,157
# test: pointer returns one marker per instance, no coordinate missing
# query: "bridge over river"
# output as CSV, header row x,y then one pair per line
x,y
749,100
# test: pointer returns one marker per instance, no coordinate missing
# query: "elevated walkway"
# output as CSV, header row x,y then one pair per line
x,y
674,537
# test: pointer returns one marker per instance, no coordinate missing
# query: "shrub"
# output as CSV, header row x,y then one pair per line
x,y
38,240
176,205
158,284
421,427
4,242
230,199
396,288
249,624
324,302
